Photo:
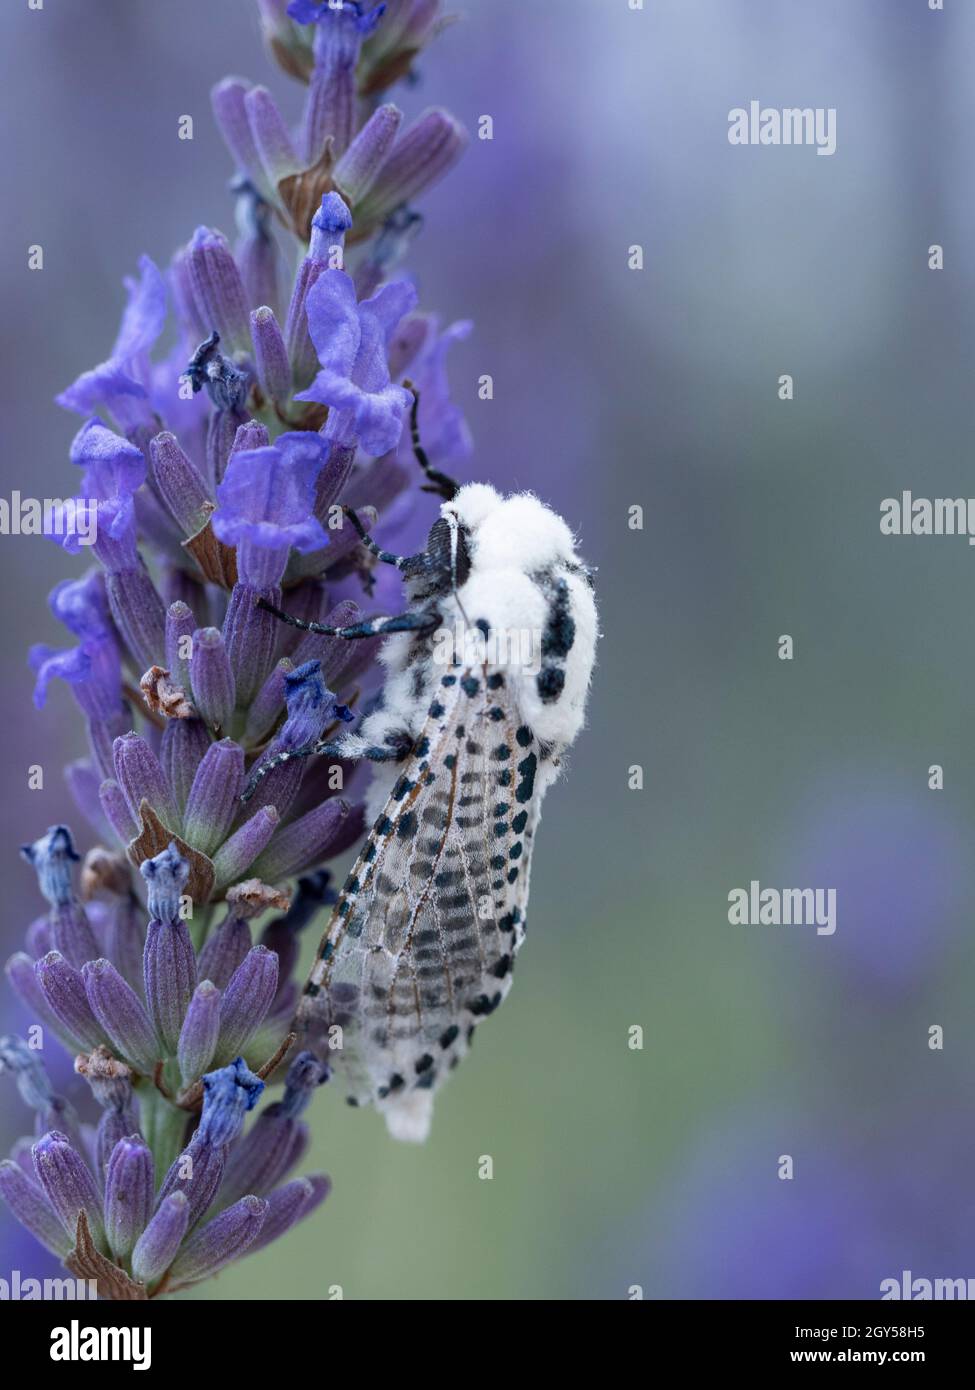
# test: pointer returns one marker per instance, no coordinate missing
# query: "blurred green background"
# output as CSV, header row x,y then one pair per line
x,y
613,1167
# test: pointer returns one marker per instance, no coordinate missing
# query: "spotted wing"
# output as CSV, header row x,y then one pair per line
x,y
422,940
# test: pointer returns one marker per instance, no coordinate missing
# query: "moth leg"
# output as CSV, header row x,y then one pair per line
x,y
440,483
330,748
370,627
408,564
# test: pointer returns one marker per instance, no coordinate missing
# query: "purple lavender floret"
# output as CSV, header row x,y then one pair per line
x,y
230,424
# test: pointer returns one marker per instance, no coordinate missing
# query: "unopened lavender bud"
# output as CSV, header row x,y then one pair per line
x,y
129,1189
271,137
19,971
238,853
198,1036
256,251
229,109
218,288
180,626
224,950
275,1142
197,1172
251,634
423,155
328,228
178,482
52,856
156,1248
170,978
68,1184
211,678
221,1240
64,992
311,705
32,1209
138,612
268,703
250,435
39,939
331,101
246,1001
116,809
304,842
72,934
183,747
123,937
288,1205
140,775
358,168
166,875
121,1014
213,799
270,355
82,779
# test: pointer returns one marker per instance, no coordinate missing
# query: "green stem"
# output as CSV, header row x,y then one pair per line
x,y
163,1127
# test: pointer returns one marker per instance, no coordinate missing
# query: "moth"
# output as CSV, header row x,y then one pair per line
x,y
488,672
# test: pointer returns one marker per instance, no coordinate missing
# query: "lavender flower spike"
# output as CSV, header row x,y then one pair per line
x,y
203,472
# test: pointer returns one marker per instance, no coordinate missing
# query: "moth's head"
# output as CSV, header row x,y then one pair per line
x,y
517,532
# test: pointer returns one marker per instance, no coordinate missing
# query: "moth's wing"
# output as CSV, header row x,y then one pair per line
x,y
422,940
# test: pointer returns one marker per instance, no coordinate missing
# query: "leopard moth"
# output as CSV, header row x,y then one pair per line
x,y
468,736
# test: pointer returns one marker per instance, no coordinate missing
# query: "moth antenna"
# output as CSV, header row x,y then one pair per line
x,y
291,620
443,485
